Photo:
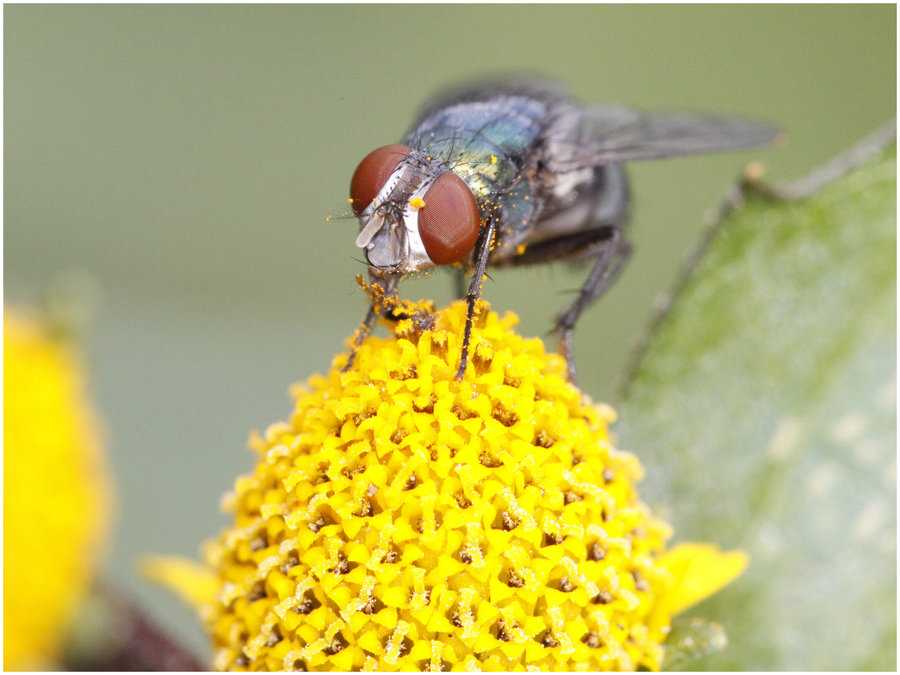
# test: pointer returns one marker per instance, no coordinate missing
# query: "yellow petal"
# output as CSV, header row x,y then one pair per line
x,y
193,582
700,570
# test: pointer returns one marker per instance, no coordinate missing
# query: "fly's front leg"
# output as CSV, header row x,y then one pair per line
x,y
365,328
382,292
483,251
611,255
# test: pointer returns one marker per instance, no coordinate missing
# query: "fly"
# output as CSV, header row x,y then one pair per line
x,y
516,173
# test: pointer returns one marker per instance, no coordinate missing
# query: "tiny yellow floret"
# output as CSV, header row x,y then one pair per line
x,y
402,519
56,492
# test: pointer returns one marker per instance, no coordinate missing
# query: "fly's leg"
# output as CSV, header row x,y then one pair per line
x,y
603,243
612,254
483,250
382,293
386,303
365,328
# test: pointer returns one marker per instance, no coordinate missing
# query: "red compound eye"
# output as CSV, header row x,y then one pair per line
x,y
449,222
372,173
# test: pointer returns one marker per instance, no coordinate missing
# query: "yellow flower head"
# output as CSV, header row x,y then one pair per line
x,y
56,493
404,520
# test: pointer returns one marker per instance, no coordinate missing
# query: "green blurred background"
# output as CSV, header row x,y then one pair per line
x,y
187,157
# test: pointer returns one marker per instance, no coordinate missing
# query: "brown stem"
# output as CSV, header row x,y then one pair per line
x,y
128,640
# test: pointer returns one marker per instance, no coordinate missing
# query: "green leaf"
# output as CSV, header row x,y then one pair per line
x,y
764,409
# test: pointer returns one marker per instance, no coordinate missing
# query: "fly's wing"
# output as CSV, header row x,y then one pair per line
x,y
605,134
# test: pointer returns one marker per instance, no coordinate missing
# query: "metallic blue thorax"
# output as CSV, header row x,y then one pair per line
x,y
485,143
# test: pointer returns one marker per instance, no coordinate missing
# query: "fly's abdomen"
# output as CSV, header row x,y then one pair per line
x,y
585,198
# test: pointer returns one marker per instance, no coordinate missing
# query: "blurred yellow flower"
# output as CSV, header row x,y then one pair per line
x,y
56,493
404,520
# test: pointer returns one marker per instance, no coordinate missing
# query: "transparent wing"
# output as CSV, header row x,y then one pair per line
x,y
604,134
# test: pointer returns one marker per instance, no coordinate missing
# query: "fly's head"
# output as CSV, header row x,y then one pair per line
x,y
414,212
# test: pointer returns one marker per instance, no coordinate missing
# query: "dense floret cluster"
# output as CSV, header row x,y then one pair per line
x,y
402,519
